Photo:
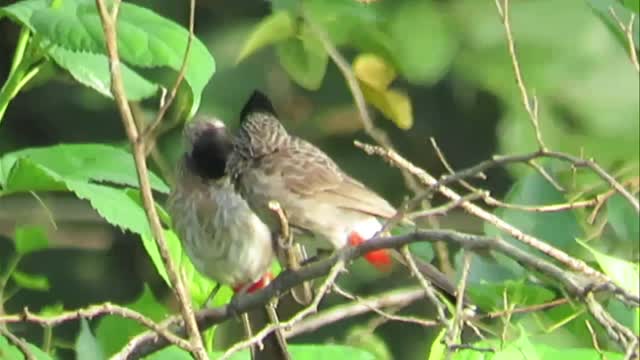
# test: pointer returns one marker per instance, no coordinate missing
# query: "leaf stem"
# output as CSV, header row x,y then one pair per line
x,y
20,72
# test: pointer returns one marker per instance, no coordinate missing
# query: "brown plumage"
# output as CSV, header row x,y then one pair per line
x,y
327,207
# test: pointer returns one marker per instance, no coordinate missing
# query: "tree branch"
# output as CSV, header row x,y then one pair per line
x,y
576,284
117,89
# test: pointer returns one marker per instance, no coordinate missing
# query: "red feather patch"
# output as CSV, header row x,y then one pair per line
x,y
381,259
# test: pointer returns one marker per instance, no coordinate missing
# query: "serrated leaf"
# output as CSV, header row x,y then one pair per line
x,y
86,345
272,29
374,71
145,39
304,59
23,175
92,70
58,163
624,273
29,239
114,205
30,281
394,104
113,332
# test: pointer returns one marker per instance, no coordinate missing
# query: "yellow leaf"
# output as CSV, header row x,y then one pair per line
x,y
394,104
272,29
374,71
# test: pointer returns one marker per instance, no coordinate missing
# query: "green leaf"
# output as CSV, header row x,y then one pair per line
x,y
30,281
174,353
623,10
560,229
624,273
86,345
270,30
328,352
525,348
114,205
304,59
145,39
361,337
113,332
92,70
633,5
623,218
48,166
24,175
438,349
310,352
490,295
29,239
8,351
421,59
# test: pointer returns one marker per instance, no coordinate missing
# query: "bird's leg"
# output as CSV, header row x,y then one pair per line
x,y
291,255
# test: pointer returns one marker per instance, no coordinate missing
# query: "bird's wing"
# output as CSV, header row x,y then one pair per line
x,y
309,172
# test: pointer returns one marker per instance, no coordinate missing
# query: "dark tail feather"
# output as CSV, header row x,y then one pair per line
x,y
435,276
274,345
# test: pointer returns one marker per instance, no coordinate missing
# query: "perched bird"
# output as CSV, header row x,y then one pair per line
x,y
223,238
325,206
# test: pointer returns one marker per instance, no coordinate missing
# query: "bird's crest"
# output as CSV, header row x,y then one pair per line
x,y
260,131
257,103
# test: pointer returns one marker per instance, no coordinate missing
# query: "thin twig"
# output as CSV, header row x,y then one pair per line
x,y
22,345
406,319
397,160
574,284
616,331
312,308
91,312
117,88
530,106
426,285
453,333
628,32
148,136
394,298
594,340
378,135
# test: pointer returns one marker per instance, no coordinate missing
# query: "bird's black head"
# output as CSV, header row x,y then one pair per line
x,y
208,148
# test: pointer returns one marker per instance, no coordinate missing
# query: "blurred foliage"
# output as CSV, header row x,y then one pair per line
x,y
433,68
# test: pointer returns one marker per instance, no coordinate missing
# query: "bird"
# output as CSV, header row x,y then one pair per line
x,y
326,208
221,235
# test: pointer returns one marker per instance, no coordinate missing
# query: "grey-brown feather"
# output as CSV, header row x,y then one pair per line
x,y
319,198
223,238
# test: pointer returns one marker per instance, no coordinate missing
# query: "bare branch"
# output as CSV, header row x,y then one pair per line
x,y
118,91
531,105
628,33
91,312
